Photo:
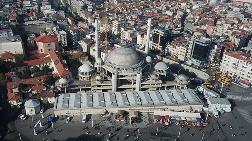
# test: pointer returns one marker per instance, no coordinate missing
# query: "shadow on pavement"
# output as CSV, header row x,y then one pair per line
x,y
85,138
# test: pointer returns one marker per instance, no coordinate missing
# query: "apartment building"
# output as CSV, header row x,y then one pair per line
x,y
238,65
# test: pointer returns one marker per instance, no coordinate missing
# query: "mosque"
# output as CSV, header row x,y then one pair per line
x,y
124,68
128,79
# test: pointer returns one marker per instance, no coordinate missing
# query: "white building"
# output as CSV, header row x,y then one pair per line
x,y
32,107
178,51
86,45
127,34
238,65
12,44
219,105
141,39
62,37
115,27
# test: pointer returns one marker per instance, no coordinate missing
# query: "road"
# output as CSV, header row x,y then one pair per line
x,y
199,73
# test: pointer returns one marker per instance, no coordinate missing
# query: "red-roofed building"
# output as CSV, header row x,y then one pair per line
x,y
14,99
47,43
59,67
36,84
40,62
7,57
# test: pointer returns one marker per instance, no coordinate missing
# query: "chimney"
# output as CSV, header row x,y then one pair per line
x,y
148,37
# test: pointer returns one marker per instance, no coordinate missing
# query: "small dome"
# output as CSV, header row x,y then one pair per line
x,y
148,59
124,58
85,67
183,77
32,103
161,66
63,81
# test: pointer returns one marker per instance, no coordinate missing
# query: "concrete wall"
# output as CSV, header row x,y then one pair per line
x,y
46,47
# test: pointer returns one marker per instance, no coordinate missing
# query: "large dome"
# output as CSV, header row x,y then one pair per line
x,y
124,58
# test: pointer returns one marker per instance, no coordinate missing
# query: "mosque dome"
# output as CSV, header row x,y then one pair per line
x,y
161,66
32,103
124,58
85,67
63,81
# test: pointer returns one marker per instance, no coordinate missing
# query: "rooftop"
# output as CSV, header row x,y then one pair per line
x,y
238,55
38,61
46,38
7,56
126,99
61,69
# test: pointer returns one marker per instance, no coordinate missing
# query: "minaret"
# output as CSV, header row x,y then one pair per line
x,y
97,55
147,46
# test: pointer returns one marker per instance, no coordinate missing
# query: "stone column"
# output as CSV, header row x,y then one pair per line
x,y
114,82
138,81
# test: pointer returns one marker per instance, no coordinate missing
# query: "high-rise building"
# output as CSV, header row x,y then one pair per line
x,y
200,50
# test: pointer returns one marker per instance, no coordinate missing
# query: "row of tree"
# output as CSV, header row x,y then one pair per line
x,y
25,72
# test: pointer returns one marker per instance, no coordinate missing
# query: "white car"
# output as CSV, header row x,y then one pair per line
x,y
22,116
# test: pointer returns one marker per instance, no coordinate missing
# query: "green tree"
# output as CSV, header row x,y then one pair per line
x,y
35,69
2,66
2,79
84,7
49,81
46,70
23,72
19,58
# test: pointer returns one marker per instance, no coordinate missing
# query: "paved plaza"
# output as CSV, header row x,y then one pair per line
x,y
233,126
230,127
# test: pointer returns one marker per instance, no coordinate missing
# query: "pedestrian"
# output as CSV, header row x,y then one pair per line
x,y
46,132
